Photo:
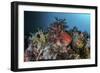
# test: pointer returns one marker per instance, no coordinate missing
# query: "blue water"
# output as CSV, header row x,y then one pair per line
x,y
33,20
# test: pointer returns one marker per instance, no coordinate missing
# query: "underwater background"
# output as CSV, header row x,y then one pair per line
x,y
36,20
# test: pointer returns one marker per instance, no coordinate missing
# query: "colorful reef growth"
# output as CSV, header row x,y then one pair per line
x,y
57,43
